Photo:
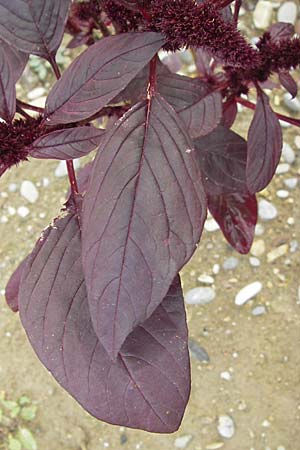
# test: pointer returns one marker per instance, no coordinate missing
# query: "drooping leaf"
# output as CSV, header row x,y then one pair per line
x,y
148,385
281,30
7,88
288,83
70,143
236,214
143,215
222,157
12,287
33,26
109,66
264,145
229,113
16,59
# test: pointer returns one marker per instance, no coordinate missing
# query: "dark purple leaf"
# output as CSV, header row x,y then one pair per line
x,y
264,145
143,215
288,83
70,143
33,26
236,214
12,287
148,385
203,60
280,31
229,113
17,59
7,88
222,156
109,66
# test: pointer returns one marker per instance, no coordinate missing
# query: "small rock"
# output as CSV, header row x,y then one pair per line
x,y
225,376
294,245
226,427
214,446
255,262
12,187
258,310
287,12
262,14
211,225
259,229
29,191
248,292
197,351
282,193
200,296
282,168
293,104
230,263
216,269
288,153
206,279
277,253
258,248
183,441
291,183
266,210
23,211
284,124
297,142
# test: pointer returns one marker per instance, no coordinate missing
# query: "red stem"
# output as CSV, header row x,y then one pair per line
x,y
252,106
237,6
30,107
152,78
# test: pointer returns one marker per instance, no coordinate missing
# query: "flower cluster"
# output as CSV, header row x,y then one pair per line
x,y
15,138
82,20
123,18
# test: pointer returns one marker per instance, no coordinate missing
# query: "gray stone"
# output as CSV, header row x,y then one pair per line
x,y
197,351
291,183
248,292
259,310
226,427
230,263
23,211
29,191
200,296
266,210
262,14
282,193
293,104
205,279
282,168
183,441
255,262
287,12
288,153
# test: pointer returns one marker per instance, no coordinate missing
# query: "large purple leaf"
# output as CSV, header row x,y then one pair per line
x,y
70,143
143,214
148,385
33,26
99,74
264,145
12,287
222,157
236,214
17,59
7,88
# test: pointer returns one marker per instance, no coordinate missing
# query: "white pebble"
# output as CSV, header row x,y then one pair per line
x,y
182,441
266,210
11,210
200,296
259,310
23,211
211,225
216,269
287,13
259,229
248,292
297,142
282,193
291,183
206,279
225,376
12,187
29,191
262,14
3,219
226,427
61,169
282,168
36,93
293,104
255,262
230,263
288,153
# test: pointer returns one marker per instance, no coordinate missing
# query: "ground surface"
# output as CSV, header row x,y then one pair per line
x,y
260,354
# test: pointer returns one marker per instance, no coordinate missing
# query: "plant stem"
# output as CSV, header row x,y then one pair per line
x,y
252,106
22,112
237,6
30,107
152,78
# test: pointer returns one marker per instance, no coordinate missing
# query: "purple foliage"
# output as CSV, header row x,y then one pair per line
x,y
100,295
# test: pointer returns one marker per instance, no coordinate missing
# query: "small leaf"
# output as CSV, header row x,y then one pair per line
x,y
24,400
14,444
55,314
222,157
81,93
264,145
15,411
288,83
236,214
9,404
142,218
28,412
33,26
27,439
7,88
71,143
